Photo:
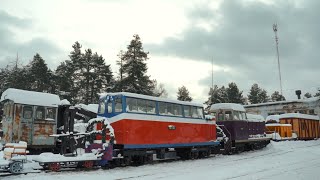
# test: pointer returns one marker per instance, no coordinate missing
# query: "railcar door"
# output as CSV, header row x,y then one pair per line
x,y
7,122
26,127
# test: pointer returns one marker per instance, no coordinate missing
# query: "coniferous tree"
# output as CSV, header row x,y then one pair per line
x,y
276,96
134,69
257,95
39,75
307,95
183,94
234,95
317,94
64,82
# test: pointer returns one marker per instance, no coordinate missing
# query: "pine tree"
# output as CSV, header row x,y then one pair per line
x,y
234,95
39,74
257,95
183,94
134,69
64,82
276,96
317,94
307,95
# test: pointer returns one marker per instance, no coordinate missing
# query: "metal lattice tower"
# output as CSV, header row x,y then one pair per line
x,y
275,29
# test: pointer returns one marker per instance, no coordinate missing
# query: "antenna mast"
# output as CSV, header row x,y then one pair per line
x,y
212,73
275,29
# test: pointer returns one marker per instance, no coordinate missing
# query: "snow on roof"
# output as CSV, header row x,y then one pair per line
x,y
141,96
31,97
255,117
312,99
233,106
272,117
64,102
89,107
298,115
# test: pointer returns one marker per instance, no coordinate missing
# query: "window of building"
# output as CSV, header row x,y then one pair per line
x,y
27,112
311,111
51,113
40,112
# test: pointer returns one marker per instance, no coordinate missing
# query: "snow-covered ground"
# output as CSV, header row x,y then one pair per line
x,y
279,160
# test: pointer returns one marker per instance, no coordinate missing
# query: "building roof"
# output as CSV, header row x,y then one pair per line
x,y
312,99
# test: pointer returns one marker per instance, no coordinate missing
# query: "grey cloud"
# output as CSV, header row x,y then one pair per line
x,y
244,41
9,46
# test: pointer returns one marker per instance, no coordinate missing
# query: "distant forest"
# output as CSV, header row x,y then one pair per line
x,y
85,74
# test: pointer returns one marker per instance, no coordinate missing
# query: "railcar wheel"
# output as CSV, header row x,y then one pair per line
x,y
88,164
16,167
54,166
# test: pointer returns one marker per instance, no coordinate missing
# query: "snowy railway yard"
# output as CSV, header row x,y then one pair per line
x,y
279,160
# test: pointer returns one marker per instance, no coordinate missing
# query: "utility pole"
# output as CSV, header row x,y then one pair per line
x,y
275,29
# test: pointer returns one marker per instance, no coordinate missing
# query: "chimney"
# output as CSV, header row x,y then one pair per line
x,y
298,93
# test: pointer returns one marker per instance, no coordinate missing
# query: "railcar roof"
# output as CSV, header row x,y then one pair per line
x,y
30,97
233,106
141,96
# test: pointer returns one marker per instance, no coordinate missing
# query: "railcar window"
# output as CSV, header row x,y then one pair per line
x,y
220,116
162,108
130,104
102,107
236,115
151,107
142,105
194,112
118,104
109,106
187,111
228,115
200,112
40,112
177,110
51,113
170,109
27,112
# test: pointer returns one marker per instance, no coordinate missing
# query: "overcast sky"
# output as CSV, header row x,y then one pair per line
x,y
183,38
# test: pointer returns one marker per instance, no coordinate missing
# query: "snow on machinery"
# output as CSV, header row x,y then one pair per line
x,y
13,157
85,150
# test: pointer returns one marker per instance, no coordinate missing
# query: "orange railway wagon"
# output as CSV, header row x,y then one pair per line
x,y
305,126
